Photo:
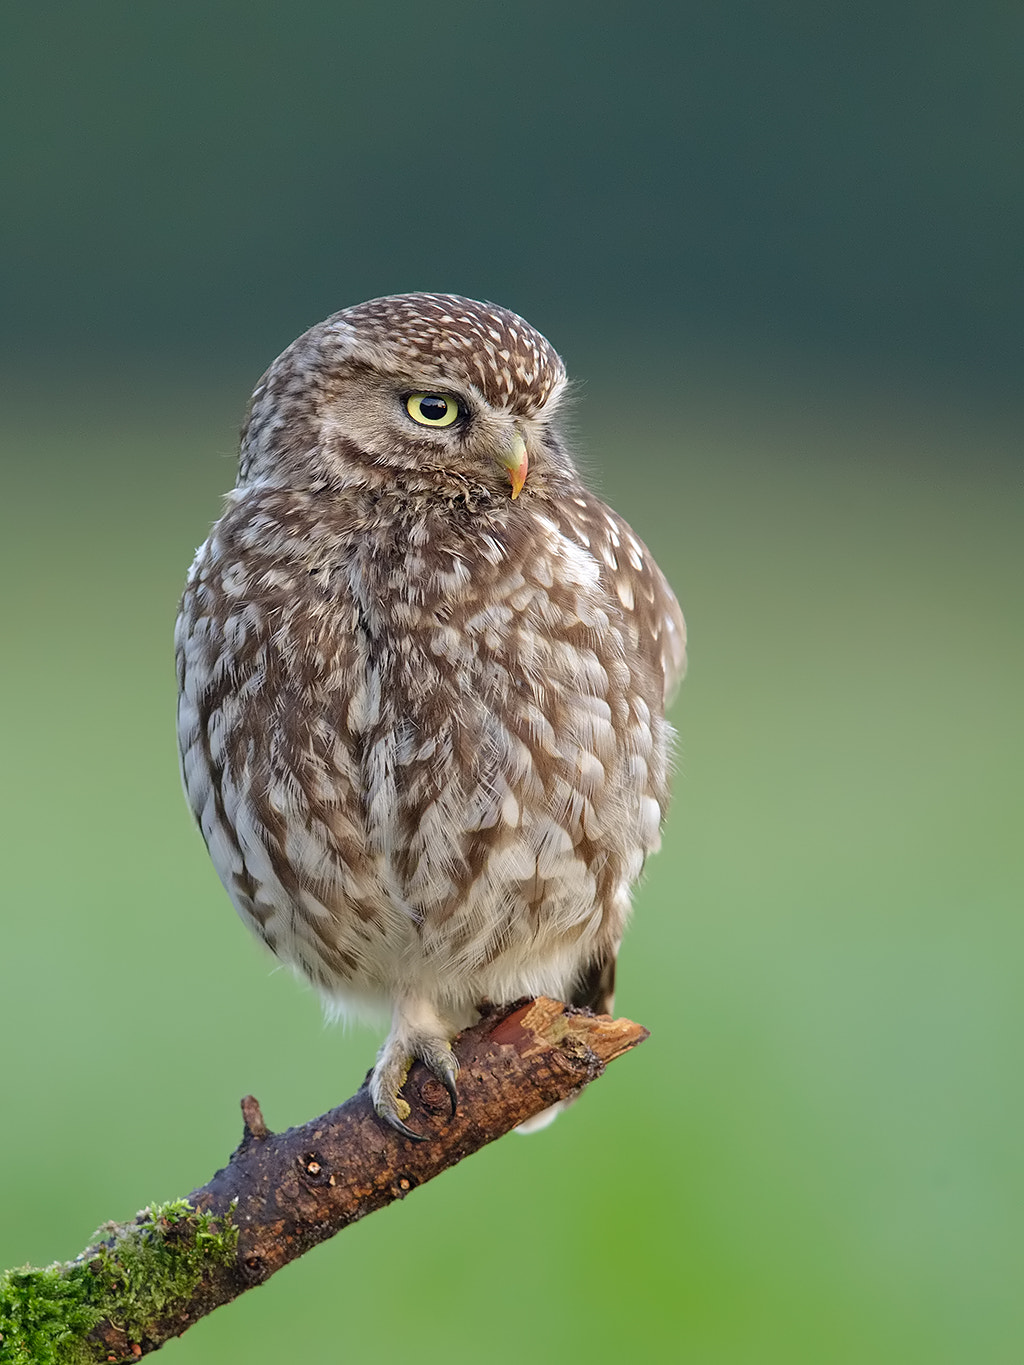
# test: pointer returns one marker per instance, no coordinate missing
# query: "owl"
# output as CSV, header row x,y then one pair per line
x,y
422,680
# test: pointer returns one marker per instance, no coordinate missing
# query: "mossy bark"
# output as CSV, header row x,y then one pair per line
x,y
133,1278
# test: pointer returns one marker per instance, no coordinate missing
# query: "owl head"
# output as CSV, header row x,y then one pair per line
x,y
417,389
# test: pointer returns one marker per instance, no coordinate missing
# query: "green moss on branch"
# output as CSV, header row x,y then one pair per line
x,y
131,1279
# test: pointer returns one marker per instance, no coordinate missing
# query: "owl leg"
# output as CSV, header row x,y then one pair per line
x,y
417,1033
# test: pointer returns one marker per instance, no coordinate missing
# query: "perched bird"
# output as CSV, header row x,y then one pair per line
x,y
423,675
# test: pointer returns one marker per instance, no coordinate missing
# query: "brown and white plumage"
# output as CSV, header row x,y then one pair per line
x,y
422,719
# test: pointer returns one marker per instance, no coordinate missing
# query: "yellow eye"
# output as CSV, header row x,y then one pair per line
x,y
432,409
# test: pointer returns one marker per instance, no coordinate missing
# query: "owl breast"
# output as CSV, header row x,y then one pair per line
x,y
421,748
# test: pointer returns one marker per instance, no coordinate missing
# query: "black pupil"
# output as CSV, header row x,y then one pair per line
x,y
433,409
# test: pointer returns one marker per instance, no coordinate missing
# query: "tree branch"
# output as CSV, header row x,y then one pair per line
x,y
280,1194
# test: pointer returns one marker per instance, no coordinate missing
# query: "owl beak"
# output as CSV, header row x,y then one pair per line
x,y
513,457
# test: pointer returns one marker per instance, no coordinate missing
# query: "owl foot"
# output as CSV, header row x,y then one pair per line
x,y
392,1069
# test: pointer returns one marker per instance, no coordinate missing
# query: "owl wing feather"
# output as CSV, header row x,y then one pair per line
x,y
656,633
633,579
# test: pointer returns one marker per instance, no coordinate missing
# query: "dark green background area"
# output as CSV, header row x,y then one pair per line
x,y
779,248
182,178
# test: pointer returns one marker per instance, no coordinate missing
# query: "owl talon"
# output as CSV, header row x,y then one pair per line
x,y
389,1076
389,1104
448,1081
440,1061
393,1121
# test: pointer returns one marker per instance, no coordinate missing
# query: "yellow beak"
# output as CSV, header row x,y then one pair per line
x,y
513,457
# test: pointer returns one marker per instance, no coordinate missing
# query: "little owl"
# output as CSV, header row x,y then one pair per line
x,y
423,675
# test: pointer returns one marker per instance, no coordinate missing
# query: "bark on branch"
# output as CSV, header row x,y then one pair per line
x,y
282,1193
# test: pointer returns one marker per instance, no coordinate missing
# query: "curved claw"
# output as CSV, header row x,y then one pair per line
x,y
389,1076
447,1079
393,1121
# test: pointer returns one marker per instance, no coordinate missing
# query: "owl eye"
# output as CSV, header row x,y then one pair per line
x,y
432,409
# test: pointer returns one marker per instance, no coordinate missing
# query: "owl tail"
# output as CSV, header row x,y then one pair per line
x,y
595,989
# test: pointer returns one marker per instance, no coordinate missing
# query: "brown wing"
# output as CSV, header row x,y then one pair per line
x,y
656,634
657,628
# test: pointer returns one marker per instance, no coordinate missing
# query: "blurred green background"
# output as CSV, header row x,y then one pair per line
x,y
779,248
